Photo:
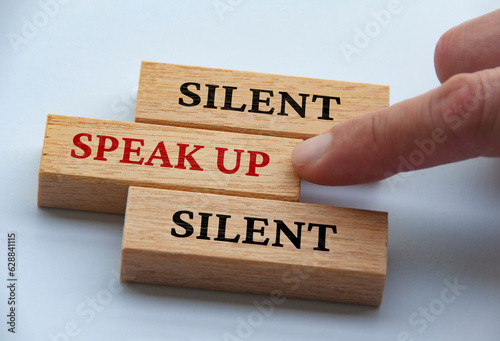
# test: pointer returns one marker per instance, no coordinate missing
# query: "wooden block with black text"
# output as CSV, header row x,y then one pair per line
x,y
89,164
254,246
250,102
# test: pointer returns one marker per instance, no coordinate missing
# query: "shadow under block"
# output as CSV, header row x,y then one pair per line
x,y
88,164
254,246
250,102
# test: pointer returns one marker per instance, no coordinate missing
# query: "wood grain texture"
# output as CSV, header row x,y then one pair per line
x,y
159,98
157,249
89,175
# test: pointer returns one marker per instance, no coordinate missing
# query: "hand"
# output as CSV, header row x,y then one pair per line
x,y
456,121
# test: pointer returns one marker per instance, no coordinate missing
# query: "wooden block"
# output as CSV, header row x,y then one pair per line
x,y
250,102
88,164
254,246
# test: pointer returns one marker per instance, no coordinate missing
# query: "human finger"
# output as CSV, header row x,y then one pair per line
x,y
456,121
469,47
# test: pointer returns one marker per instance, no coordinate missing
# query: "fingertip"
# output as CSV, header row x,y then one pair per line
x,y
339,156
311,150
444,55
469,47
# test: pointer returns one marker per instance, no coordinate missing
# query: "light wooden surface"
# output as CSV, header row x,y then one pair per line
x,y
159,100
69,178
160,251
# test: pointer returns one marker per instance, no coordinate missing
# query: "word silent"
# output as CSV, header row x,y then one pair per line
x,y
131,154
250,102
183,219
254,245
259,97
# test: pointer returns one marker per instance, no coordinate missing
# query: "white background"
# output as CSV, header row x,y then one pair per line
x,y
84,60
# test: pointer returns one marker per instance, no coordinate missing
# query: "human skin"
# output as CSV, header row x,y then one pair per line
x,y
462,117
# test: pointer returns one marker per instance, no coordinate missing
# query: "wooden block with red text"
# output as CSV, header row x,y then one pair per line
x,y
250,102
251,245
89,164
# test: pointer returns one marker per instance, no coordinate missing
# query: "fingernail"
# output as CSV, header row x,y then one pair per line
x,y
311,150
